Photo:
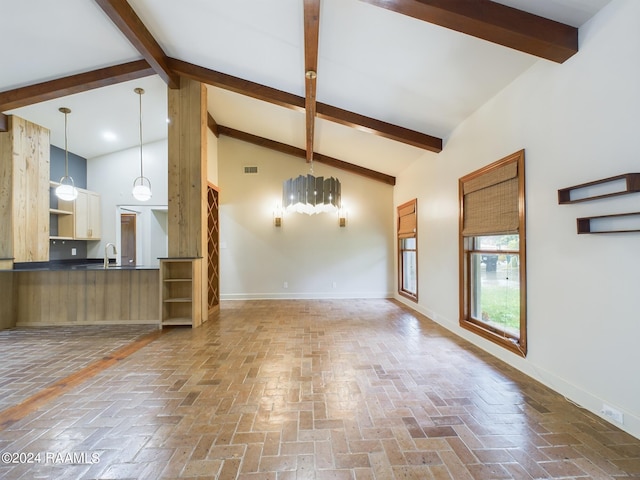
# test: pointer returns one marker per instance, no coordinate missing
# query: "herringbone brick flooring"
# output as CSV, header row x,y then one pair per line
x,y
33,358
352,389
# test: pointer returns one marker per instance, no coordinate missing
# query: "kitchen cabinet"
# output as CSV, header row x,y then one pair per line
x,y
87,216
80,219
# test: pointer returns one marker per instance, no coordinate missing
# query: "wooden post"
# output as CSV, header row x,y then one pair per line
x,y
188,177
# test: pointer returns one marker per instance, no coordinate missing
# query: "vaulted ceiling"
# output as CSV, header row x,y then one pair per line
x,y
368,85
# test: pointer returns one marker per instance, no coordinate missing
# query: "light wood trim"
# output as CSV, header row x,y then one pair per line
x,y
301,153
82,82
132,27
494,22
294,102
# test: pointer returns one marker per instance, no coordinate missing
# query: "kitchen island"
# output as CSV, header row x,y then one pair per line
x,y
49,293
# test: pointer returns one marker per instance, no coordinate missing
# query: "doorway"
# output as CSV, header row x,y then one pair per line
x,y
128,239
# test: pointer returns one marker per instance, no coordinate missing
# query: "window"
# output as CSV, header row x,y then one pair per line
x,y
408,250
492,253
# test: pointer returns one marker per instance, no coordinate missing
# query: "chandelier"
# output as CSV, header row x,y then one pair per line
x,y
311,195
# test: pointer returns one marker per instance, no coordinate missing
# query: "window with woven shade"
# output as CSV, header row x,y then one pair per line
x,y
492,252
408,250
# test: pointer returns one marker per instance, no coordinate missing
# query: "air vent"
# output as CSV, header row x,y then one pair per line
x,y
253,170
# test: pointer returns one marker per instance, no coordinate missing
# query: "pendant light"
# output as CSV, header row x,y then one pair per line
x,y
67,189
141,185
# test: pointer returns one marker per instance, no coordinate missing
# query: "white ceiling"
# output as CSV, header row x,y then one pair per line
x,y
372,61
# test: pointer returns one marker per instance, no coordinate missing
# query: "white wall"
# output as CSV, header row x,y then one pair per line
x,y
112,176
310,253
577,122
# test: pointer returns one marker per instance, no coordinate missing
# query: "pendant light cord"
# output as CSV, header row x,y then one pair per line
x,y
140,105
66,150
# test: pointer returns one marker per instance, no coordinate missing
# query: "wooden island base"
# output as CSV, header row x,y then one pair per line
x,y
82,297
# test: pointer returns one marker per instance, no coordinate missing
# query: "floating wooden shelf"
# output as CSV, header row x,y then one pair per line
x,y
607,187
615,223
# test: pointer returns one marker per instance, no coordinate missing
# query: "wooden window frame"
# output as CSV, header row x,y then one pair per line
x,y
401,236
467,247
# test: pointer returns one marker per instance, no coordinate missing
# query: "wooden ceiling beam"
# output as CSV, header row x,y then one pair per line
x,y
237,85
378,127
495,23
213,126
311,36
126,19
301,153
289,100
82,82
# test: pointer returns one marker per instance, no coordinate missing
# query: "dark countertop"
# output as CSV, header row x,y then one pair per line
x,y
75,265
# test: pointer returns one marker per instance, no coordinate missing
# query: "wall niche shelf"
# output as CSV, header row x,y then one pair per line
x,y
615,223
604,188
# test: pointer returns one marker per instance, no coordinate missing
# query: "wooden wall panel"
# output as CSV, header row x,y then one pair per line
x,y
6,189
24,191
30,191
86,297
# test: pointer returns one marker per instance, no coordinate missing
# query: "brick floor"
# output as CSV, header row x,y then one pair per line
x,y
339,389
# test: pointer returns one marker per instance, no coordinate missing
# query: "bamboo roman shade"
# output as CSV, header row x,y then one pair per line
x,y
490,201
407,220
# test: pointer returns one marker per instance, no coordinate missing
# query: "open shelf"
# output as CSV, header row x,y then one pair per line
x,y
179,291
604,188
615,223
177,321
56,211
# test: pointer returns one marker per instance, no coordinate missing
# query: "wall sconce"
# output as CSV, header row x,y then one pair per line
x,y
277,215
342,216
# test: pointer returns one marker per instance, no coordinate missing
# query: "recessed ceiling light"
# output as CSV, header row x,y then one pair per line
x,y
110,136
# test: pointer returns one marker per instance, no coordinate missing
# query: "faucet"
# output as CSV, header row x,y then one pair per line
x,y
106,253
